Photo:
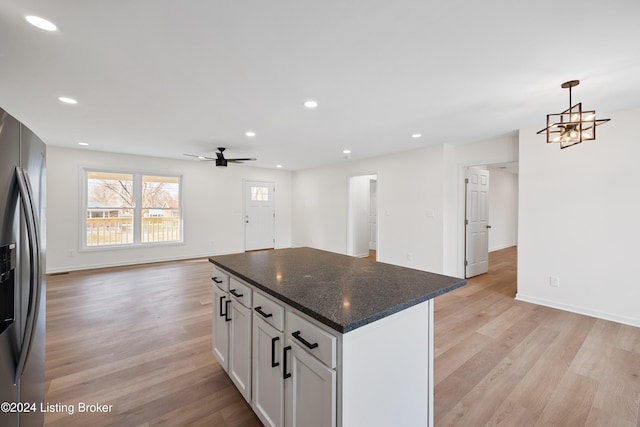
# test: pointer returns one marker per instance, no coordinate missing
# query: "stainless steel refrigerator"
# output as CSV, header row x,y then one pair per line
x,y
22,267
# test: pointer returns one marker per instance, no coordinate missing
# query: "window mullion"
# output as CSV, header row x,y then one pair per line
x,y
137,211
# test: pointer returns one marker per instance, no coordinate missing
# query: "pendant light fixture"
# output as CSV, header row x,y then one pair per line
x,y
573,125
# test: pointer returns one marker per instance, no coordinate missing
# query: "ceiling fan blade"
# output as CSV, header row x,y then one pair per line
x,y
203,158
238,160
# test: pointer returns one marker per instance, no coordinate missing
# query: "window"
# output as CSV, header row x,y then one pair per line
x,y
131,208
260,194
160,208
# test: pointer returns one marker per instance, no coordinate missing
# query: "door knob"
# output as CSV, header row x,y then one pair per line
x,y
488,226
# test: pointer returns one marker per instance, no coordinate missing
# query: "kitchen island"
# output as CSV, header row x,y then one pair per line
x,y
315,338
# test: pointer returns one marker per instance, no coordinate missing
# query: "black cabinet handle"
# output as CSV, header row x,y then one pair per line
x,y
215,279
222,314
285,375
262,313
273,352
234,293
226,313
307,344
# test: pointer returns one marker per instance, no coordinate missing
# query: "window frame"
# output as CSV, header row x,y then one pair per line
x,y
137,209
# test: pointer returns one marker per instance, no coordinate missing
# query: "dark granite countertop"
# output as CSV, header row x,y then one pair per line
x,y
339,291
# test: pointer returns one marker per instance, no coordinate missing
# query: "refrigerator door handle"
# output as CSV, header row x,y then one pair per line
x,y
31,219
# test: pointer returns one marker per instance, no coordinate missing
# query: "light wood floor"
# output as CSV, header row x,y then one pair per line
x,y
139,338
504,362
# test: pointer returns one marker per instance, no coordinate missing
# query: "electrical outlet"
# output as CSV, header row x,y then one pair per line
x,y
554,281
409,256
70,254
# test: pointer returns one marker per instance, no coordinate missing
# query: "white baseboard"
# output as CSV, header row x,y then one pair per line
x,y
57,270
580,310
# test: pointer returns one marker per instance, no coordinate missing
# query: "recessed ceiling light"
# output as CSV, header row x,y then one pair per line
x,y
250,134
416,135
278,166
41,23
310,104
83,143
346,151
67,100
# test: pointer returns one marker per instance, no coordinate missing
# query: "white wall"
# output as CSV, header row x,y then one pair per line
x,y
503,209
213,205
410,188
579,222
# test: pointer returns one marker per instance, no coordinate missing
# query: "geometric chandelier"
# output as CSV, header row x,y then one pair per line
x,y
573,125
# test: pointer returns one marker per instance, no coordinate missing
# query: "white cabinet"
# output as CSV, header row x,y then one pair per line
x,y
232,329
268,383
293,384
310,384
240,348
310,390
297,372
221,303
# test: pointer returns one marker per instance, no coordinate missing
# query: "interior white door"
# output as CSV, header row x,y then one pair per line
x,y
259,215
477,222
373,214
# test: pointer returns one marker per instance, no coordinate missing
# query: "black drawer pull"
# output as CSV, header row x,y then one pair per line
x,y
310,346
262,313
273,352
285,375
226,313
215,279
222,314
234,293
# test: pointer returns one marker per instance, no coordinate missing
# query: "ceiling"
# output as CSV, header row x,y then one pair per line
x,y
163,78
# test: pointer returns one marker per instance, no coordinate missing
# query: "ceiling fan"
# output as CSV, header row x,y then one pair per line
x,y
220,159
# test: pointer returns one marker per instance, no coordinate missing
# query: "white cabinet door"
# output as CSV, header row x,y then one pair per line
x,y
268,384
310,391
240,348
221,319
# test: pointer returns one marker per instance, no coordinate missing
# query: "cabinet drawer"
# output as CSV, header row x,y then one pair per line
x,y
269,311
240,292
220,279
312,338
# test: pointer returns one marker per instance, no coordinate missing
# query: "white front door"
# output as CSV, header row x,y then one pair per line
x,y
259,215
477,222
